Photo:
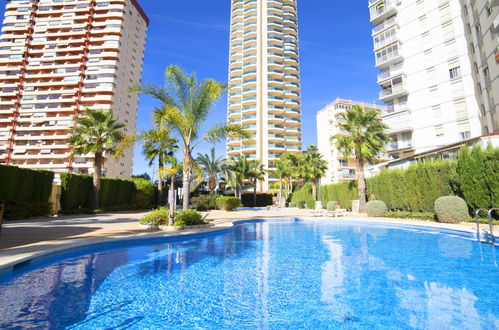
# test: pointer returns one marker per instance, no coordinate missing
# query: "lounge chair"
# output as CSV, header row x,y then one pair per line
x,y
340,213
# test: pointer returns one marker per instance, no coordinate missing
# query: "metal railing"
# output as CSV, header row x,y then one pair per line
x,y
489,219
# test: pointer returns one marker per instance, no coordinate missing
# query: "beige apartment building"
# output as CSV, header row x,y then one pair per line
x,y
264,81
482,31
340,167
58,58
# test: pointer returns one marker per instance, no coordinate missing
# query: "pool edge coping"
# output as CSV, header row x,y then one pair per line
x,y
68,246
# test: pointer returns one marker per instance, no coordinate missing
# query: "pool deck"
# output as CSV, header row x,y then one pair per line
x,y
25,240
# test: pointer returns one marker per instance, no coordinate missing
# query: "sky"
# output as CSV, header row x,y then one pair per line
x,y
336,56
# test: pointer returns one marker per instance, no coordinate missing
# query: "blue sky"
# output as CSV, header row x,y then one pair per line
x,y
335,54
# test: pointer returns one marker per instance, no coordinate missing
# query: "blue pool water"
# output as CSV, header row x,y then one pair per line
x,y
278,274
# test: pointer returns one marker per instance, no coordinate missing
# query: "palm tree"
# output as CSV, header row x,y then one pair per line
x,y
281,172
97,132
171,172
291,164
312,167
256,172
235,172
211,167
363,136
185,106
158,145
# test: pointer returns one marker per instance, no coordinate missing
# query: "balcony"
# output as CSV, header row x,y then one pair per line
x,y
392,92
381,10
388,56
399,145
384,25
398,121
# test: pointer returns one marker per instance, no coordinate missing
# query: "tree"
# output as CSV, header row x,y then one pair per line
x,y
158,145
291,164
256,172
312,167
235,172
211,166
281,172
96,132
363,137
185,106
171,172
144,176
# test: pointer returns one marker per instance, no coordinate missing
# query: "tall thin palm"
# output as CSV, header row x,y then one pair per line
x,y
281,172
256,172
291,163
171,171
211,166
363,137
312,167
157,146
235,172
185,106
96,132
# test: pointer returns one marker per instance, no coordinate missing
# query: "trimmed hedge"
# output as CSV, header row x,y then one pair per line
x,y
25,192
343,193
228,203
76,193
303,194
376,208
262,200
451,209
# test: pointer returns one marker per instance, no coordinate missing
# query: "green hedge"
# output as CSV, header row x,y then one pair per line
x,y
343,193
303,194
76,192
25,192
262,200
473,177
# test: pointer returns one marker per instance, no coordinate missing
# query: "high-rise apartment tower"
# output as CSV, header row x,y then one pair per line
x,y
427,78
58,58
264,80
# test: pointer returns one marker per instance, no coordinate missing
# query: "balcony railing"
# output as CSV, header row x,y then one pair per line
x,y
397,145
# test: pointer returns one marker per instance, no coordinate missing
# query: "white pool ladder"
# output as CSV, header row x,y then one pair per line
x,y
491,225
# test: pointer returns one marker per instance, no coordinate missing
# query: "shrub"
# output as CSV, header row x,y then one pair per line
x,y
262,200
145,193
300,204
157,217
292,204
331,206
304,194
344,193
451,209
204,202
310,204
410,215
188,218
227,203
376,208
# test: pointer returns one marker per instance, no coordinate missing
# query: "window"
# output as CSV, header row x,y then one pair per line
x,y
430,72
448,31
460,109
434,91
436,110
439,130
463,127
445,13
455,72
425,37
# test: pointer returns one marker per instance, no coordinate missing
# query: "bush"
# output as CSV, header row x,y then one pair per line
x,y
157,217
188,218
292,204
304,194
451,209
25,192
310,204
262,200
331,206
300,204
145,193
344,193
204,202
376,208
227,203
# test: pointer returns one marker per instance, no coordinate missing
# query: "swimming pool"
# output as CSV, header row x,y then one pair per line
x,y
265,274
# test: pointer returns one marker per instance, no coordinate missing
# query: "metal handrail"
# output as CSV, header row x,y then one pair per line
x,y
478,223
491,224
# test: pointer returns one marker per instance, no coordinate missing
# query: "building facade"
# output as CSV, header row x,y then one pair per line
x,y
58,58
264,81
481,19
340,167
427,79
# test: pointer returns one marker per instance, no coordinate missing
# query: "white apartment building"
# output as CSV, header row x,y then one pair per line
x,y
341,168
58,58
264,80
482,26
427,77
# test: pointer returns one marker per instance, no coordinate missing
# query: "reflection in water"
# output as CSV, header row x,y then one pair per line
x,y
267,275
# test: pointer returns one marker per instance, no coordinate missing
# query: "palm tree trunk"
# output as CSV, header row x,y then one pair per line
x,y
280,192
96,179
172,201
361,184
186,183
314,189
160,181
254,193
